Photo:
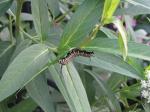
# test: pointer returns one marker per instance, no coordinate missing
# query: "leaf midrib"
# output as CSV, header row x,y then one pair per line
x,y
79,25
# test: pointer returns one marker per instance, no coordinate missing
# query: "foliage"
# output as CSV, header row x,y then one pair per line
x,y
36,34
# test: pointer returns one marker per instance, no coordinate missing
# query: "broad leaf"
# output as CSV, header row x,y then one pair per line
x,y
6,49
20,47
23,69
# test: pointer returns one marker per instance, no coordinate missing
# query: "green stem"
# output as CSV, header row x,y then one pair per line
x,y
29,36
10,29
19,7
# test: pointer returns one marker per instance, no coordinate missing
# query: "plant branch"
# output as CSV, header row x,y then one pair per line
x,y
19,7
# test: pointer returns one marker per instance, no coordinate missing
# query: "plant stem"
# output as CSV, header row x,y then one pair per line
x,y
19,7
29,36
10,29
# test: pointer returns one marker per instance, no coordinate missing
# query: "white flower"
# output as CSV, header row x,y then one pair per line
x,y
148,74
148,99
143,84
145,87
148,83
145,93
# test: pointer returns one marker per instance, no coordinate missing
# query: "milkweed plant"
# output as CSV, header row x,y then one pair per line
x,y
74,56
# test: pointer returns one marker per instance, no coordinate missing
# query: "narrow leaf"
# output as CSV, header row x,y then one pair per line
x,y
143,3
110,46
132,10
109,9
27,105
57,77
54,7
122,37
114,104
110,33
111,63
40,17
69,82
81,23
38,90
72,82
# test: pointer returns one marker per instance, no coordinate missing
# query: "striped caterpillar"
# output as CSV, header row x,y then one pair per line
x,y
74,53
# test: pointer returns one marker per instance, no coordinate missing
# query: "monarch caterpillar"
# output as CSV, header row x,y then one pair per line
x,y
73,53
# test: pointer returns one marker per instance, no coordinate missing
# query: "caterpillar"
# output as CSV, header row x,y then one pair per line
x,y
74,53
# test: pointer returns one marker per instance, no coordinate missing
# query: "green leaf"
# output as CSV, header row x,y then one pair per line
x,y
4,6
110,33
133,11
114,104
27,105
38,90
81,23
129,28
54,35
87,81
137,7
142,3
115,81
110,46
57,77
20,47
122,37
69,82
5,47
40,18
137,64
54,7
111,63
3,106
6,50
109,8
23,69
131,92
72,82
146,107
